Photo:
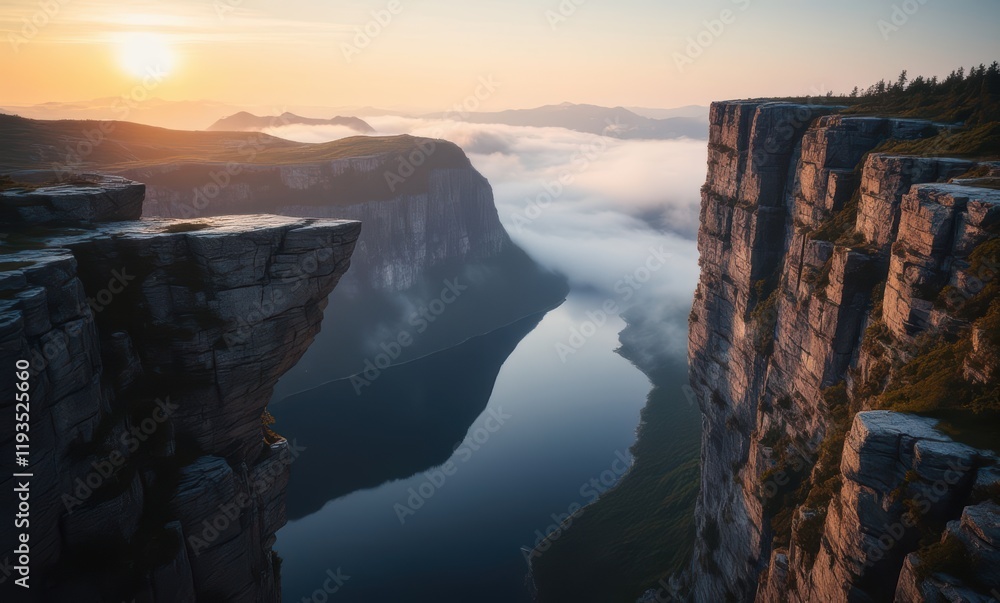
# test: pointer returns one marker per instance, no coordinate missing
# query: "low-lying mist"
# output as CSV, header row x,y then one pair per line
x,y
617,217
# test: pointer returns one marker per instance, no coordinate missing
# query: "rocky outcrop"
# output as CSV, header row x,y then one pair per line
x,y
969,549
940,225
440,207
153,347
453,223
87,198
823,261
886,179
899,474
423,204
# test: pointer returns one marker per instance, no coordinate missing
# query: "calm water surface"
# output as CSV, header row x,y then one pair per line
x,y
542,434
425,486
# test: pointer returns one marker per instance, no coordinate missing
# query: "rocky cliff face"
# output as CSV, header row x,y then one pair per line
x,y
824,265
423,206
152,349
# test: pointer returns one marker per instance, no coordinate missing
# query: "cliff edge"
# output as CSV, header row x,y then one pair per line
x,y
150,349
844,289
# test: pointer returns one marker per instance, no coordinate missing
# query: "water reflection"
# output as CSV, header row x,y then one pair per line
x,y
409,418
449,304
569,422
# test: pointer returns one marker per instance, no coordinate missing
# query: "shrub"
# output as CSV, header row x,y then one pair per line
x,y
810,533
178,227
948,556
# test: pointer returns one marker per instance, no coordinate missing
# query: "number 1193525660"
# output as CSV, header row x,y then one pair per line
x,y
22,410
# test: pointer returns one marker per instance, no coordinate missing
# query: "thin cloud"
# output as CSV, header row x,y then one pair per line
x,y
86,22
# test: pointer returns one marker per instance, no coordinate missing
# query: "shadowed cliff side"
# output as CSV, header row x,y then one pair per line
x,y
151,350
429,217
408,420
826,271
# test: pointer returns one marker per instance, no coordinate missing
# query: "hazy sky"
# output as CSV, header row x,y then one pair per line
x,y
431,54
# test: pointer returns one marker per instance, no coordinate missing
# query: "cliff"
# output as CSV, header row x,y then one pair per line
x,y
152,348
840,287
244,121
423,205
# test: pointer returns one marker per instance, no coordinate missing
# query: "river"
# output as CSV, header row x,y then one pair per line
x,y
429,481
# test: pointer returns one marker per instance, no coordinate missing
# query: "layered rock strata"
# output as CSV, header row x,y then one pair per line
x,y
423,206
153,347
804,227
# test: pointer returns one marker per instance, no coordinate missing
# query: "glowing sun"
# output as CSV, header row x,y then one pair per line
x,y
142,54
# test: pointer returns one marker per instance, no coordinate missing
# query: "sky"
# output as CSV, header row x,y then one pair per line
x,y
431,54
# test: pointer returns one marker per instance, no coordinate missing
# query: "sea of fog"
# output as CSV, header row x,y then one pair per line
x,y
618,218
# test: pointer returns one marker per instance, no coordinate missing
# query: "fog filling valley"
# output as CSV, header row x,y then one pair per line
x,y
617,217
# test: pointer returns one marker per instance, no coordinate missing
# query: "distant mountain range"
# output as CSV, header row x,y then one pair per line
x,y
692,111
177,115
618,122
246,122
622,122
75,146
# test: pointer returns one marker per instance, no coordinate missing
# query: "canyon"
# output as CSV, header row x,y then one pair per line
x,y
158,332
429,216
842,346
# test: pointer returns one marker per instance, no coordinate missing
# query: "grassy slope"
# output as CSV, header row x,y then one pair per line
x,y
38,144
970,101
931,382
642,530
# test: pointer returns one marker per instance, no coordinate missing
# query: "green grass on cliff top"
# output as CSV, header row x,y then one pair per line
x,y
639,532
969,99
117,145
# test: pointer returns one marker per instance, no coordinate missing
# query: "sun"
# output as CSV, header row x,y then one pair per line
x,y
144,53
